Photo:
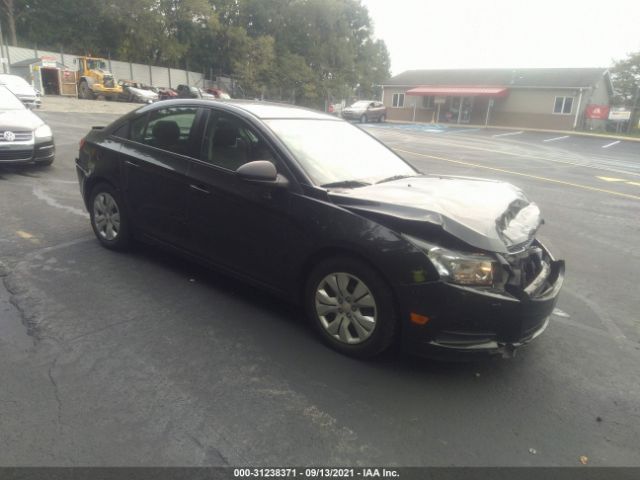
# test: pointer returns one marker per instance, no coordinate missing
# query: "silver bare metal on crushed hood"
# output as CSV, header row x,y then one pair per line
x,y
486,214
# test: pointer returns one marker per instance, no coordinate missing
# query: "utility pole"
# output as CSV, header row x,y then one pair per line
x,y
4,65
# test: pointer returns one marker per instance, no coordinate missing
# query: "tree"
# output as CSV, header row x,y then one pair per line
x,y
626,81
626,78
8,12
304,51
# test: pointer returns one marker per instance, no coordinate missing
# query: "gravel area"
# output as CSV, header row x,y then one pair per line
x,y
51,103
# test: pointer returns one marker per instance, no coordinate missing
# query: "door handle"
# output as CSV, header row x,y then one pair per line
x,y
199,188
132,164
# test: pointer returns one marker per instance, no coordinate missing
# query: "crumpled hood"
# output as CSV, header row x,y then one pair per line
x,y
486,214
19,120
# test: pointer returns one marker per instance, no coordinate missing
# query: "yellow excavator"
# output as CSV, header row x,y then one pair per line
x,y
95,81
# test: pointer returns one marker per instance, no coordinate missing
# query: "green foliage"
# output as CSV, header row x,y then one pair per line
x,y
626,78
303,51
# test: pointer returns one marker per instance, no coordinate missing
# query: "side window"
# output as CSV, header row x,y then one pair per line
x,y
168,129
230,143
122,131
137,128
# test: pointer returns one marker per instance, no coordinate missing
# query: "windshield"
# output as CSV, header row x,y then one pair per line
x,y
8,101
361,104
96,65
335,151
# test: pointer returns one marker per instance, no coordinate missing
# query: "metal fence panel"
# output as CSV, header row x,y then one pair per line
x,y
141,73
120,70
196,79
178,77
159,77
17,54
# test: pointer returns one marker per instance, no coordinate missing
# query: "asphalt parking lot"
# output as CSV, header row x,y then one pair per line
x,y
146,359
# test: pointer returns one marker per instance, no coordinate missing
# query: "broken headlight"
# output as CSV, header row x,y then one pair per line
x,y
462,268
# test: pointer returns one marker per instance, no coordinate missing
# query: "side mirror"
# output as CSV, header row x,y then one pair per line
x,y
263,172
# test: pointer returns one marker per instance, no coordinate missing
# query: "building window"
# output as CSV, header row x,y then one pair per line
x,y
398,100
563,105
427,102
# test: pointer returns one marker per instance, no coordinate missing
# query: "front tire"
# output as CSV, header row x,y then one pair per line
x,y
84,92
351,307
108,217
363,119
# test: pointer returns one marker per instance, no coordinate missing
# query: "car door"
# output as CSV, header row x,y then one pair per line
x,y
239,225
156,160
374,111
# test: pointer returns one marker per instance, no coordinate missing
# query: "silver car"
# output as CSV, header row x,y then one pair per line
x,y
365,111
24,137
21,89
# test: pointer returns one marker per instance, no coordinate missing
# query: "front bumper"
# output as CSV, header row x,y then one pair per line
x,y
351,115
472,321
16,154
99,89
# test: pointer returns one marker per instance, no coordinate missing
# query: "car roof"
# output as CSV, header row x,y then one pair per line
x,y
258,109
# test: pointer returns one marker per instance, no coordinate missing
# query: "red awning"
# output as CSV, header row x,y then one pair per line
x,y
441,91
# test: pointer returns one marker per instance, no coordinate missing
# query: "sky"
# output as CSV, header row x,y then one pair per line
x,y
424,34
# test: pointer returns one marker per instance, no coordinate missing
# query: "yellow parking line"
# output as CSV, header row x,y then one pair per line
x,y
611,179
23,234
637,184
545,179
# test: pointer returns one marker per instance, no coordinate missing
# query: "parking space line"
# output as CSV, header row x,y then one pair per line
x,y
637,184
23,234
520,155
611,144
556,138
511,172
507,134
611,179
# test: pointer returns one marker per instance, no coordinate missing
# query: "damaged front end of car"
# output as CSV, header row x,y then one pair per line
x,y
489,286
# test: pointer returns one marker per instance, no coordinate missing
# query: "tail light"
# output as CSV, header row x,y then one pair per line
x,y
82,142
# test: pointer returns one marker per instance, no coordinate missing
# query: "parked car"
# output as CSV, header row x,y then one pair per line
x,y
22,89
136,92
24,137
166,93
218,93
187,91
373,249
365,111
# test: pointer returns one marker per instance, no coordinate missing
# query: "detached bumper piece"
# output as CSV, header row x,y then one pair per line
x,y
472,321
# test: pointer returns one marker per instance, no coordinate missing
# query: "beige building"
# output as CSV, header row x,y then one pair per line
x,y
548,98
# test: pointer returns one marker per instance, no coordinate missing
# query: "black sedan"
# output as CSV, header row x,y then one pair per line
x,y
318,211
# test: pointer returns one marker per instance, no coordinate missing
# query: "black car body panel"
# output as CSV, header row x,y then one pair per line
x,y
273,236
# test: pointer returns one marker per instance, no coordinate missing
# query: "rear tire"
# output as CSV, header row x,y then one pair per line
x,y
351,307
109,218
382,118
